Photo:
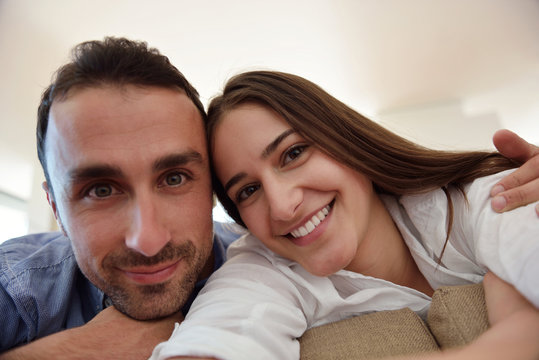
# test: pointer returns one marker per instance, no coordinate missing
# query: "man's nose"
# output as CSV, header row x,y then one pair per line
x,y
147,233
283,198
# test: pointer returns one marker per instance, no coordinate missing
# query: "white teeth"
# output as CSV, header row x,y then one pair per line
x,y
311,224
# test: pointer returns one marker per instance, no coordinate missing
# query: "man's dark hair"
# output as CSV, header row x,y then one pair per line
x,y
114,61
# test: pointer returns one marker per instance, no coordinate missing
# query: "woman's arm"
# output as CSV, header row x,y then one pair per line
x,y
514,321
247,310
514,330
522,186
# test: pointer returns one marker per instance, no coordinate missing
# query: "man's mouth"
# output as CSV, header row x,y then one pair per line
x,y
147,276
310,225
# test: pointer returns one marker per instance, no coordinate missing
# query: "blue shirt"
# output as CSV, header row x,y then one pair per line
x,y
43,290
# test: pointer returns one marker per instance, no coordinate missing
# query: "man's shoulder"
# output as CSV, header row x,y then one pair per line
x,y
42,290
227,233
33,241
34,251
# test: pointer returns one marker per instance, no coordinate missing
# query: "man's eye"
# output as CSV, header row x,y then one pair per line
x,y
293,153
175,179
246,192
101,191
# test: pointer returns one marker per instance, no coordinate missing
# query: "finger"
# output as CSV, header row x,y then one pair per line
x,y
527,172
519,196
513,146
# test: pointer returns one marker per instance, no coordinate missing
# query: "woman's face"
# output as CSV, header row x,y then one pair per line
x,y
299,202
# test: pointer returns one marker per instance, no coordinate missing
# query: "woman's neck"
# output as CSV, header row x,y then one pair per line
x,y
384,254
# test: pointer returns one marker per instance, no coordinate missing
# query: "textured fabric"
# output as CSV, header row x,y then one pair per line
x,y
261,302
458,315
43,291
371,336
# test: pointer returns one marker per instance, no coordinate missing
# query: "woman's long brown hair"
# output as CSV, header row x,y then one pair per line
x,y
395,165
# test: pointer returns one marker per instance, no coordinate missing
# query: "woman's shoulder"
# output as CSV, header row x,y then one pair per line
x,y
249,249
483,185
427,214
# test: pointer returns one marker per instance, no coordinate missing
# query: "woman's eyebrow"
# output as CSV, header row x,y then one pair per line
x,y
265,153
275,143
234,180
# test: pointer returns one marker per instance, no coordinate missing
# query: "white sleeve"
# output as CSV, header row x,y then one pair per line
x,y
506,243
247,310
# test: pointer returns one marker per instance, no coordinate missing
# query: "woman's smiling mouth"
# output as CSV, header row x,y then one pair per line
x,y
310,225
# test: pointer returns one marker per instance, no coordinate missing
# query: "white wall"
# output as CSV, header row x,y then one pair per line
x,y
443,126
470,122
447,73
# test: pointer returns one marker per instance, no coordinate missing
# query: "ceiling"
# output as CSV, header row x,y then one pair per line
x,y
376,55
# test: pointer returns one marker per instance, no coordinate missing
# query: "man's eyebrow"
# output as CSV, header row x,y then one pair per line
x,y
235,179
179,159
275,143
90,172
94,171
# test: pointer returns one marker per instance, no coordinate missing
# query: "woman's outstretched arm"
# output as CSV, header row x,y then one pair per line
x,y
513,331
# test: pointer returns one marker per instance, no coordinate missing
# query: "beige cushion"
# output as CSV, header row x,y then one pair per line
x,y
458,314
368,337
456,317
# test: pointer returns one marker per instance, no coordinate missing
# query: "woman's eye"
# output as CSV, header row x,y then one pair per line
x,y
246,192
293,153
174,179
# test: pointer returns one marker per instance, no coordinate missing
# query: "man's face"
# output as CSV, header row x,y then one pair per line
x,y
129,171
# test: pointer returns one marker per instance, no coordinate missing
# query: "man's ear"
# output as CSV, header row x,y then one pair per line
x,y
50,198
52,203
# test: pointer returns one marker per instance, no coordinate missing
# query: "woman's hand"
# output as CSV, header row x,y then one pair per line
x,y
522,186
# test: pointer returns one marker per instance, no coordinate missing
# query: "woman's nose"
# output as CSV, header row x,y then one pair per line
x,y
283,198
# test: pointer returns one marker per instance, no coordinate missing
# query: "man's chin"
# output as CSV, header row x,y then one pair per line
x,y
151,302
151,310
150,314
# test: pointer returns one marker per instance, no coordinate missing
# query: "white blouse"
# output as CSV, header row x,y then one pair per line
x,y
259,303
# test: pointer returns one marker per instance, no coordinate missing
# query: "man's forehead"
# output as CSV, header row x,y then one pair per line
x,y
94,101
133,122
111,109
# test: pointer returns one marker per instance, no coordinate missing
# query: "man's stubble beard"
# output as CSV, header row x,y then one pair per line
x,y
146,302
